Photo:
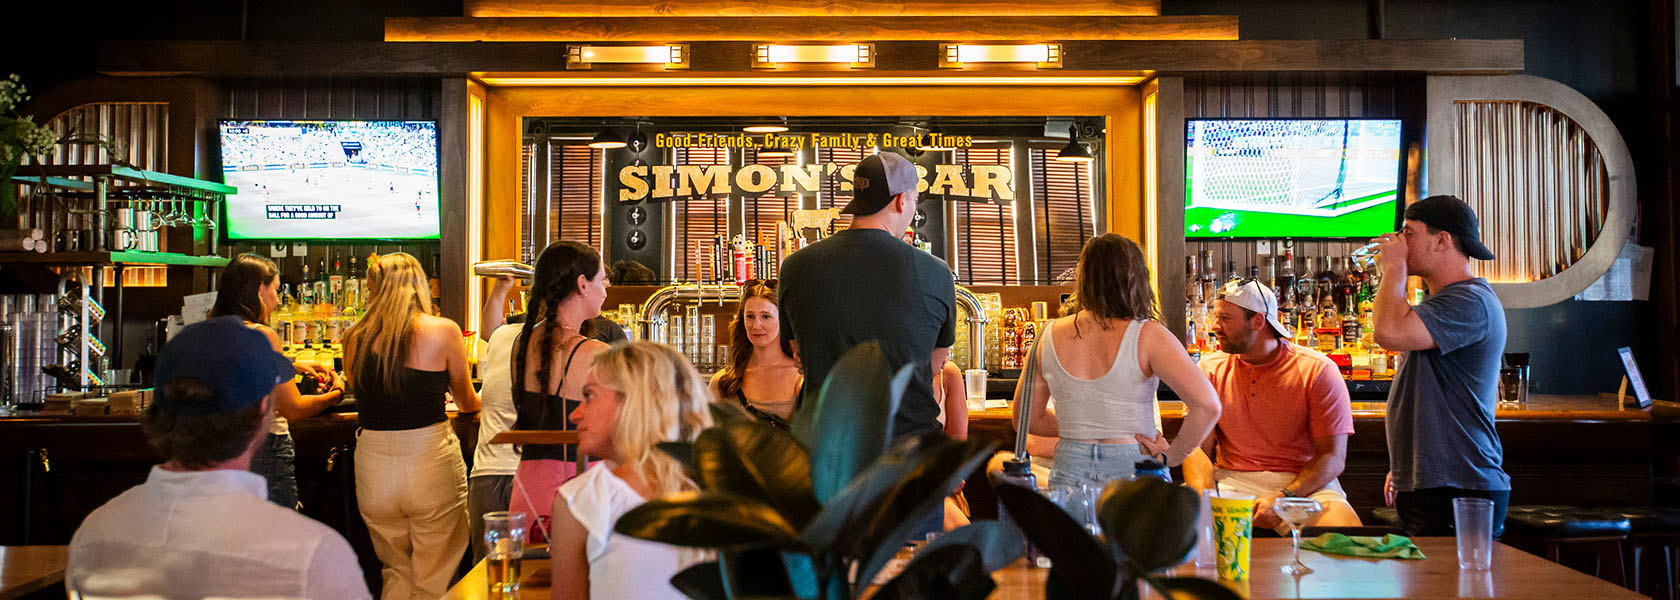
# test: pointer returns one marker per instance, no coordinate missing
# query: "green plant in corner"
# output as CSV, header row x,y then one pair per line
x,y
20,139
793,516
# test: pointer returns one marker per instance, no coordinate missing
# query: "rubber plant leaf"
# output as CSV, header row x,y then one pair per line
x,y
853,422
708,520
1192,588
1084,566
752,459
951,572
903,509
1164,538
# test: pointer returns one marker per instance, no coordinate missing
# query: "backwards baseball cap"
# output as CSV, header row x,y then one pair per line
x,y
1255,296
1454,216
235,361
876,180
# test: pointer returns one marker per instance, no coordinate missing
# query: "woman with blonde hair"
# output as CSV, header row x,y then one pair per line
x,y
761,375
411,483
635,396
1103,364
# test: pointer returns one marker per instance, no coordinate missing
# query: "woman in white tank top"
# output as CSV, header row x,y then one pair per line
x,y
1103,363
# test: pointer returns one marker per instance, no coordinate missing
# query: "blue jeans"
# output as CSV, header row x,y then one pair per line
x,y
275,460
1093,464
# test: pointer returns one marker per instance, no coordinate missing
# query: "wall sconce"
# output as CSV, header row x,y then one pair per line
x,y
858,56
1045,56
673,56
607,139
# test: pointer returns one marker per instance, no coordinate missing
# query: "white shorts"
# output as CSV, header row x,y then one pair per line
x,y
1265,483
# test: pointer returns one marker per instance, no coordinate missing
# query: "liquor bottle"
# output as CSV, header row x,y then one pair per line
x,y
352,289
281,321
1254,273
335,281
1210,279
1195,309
323,286
1327,277
1231,277
1306,294
1283,286
433,282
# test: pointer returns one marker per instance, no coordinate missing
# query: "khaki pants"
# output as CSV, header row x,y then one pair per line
x,y
411,488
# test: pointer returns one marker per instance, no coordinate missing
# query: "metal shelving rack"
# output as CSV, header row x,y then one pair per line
x,y
101,183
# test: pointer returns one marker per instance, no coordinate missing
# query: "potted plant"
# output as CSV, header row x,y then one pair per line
x,y
20,139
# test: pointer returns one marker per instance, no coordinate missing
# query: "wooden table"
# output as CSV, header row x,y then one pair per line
x,y
1515,574
28,569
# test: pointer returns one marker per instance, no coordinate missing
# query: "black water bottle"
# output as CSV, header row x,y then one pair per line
x,y
1150,467
1018,472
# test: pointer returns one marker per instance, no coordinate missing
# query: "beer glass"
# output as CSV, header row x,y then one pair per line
x,y
1366,256
504,541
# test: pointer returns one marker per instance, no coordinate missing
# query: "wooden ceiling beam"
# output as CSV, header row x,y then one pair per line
x,y
813,29
810,8
732,59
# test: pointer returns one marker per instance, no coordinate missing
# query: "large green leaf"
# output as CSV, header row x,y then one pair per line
x,y
951,572
801,574
708,520
852,424
703,581
999,543
841,511
1082,564
922,492
1192,588
755,460
754,573
683,452
1152,522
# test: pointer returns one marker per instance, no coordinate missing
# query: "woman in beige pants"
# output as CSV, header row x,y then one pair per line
x,y
411,483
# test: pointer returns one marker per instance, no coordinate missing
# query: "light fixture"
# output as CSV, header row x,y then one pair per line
x,y
855,55
606,139
1046,56
584,56
637,140
1074,152
777,126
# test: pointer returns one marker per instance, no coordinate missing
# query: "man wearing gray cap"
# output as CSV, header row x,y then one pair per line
x,y
1286,415
1441,440
201,525
866,284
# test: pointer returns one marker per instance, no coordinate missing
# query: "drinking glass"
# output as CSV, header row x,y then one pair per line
x,y
974,384
1296,512
1473,522
504,540
1366,256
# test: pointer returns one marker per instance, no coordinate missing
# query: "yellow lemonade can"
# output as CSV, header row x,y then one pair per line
x,y
1233,521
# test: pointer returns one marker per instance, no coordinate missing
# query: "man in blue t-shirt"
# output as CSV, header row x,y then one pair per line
x,y
1441,439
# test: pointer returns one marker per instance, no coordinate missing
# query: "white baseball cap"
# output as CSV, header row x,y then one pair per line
x,y
1255,296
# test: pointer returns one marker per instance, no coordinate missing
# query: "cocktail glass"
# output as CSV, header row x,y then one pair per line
x,y
1296,512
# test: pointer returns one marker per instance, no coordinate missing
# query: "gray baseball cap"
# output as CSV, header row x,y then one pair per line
x,y
877,180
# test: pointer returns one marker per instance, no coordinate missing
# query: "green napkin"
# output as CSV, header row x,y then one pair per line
x,y
1390,546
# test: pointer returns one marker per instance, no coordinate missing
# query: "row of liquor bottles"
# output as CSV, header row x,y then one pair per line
x,y
1326,305
314,310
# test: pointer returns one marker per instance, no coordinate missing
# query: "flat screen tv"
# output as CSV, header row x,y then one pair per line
x,y
1291,178
330,180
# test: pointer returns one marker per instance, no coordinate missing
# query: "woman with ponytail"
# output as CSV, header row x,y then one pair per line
x,y
411,483
635,396
761,376
551,357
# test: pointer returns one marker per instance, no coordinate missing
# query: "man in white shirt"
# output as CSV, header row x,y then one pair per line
x,y
201,525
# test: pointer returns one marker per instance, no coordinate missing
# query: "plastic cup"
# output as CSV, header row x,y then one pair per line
x,y
504,542
974,382
1206,542
1473,520
1233,523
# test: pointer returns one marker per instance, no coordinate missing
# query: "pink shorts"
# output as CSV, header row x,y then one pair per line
x,y
534,485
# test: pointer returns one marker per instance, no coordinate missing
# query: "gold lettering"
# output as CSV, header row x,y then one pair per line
x,y
662,181
921,179
948,180
695,180
993,182
846,176
755,179
806,179
635,187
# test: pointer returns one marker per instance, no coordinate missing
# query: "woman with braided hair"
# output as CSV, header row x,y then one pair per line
x,y
551,357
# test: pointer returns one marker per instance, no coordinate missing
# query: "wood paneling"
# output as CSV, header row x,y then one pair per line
x,y
807,8
837,29
439,59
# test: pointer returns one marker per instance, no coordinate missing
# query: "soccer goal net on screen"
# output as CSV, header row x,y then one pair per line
x,y
1320,168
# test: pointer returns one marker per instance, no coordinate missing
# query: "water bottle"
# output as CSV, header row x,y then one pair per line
x,y
1149,467
1018,472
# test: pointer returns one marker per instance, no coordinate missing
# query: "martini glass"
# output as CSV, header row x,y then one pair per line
x,y
1296,512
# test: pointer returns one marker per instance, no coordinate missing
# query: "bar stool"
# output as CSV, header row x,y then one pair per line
x,y
1652,528
1553,529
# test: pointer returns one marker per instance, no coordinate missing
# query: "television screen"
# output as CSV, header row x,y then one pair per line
x,y
1291,178
331,180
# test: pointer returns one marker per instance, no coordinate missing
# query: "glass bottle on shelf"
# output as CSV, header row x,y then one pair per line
x,y
1195,309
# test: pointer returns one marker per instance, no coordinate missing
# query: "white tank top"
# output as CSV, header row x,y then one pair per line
x,y
1118,404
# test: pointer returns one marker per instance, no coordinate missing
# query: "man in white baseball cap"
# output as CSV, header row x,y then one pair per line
x,y
1283,432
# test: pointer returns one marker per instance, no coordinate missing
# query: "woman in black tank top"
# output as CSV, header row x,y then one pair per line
x,y
550,359
761,376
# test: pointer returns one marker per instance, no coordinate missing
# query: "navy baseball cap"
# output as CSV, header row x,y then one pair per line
x,y
235,361
1454,216
877,179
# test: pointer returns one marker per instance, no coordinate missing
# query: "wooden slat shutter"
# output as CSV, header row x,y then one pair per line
x,y
764,212
699,218
576,195
831,195
1062,214
985,231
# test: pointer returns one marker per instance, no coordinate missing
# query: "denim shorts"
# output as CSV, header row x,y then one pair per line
x,y
1093,463
275,460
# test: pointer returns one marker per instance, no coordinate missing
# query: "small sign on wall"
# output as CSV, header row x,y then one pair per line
x,y
1634,378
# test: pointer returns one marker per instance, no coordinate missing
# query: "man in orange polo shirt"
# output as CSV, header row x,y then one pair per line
x,y
1286,413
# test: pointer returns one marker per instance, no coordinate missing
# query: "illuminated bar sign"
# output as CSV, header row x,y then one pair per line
x,y
992,183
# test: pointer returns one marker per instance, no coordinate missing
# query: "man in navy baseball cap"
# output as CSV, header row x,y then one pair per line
x,y
201,525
